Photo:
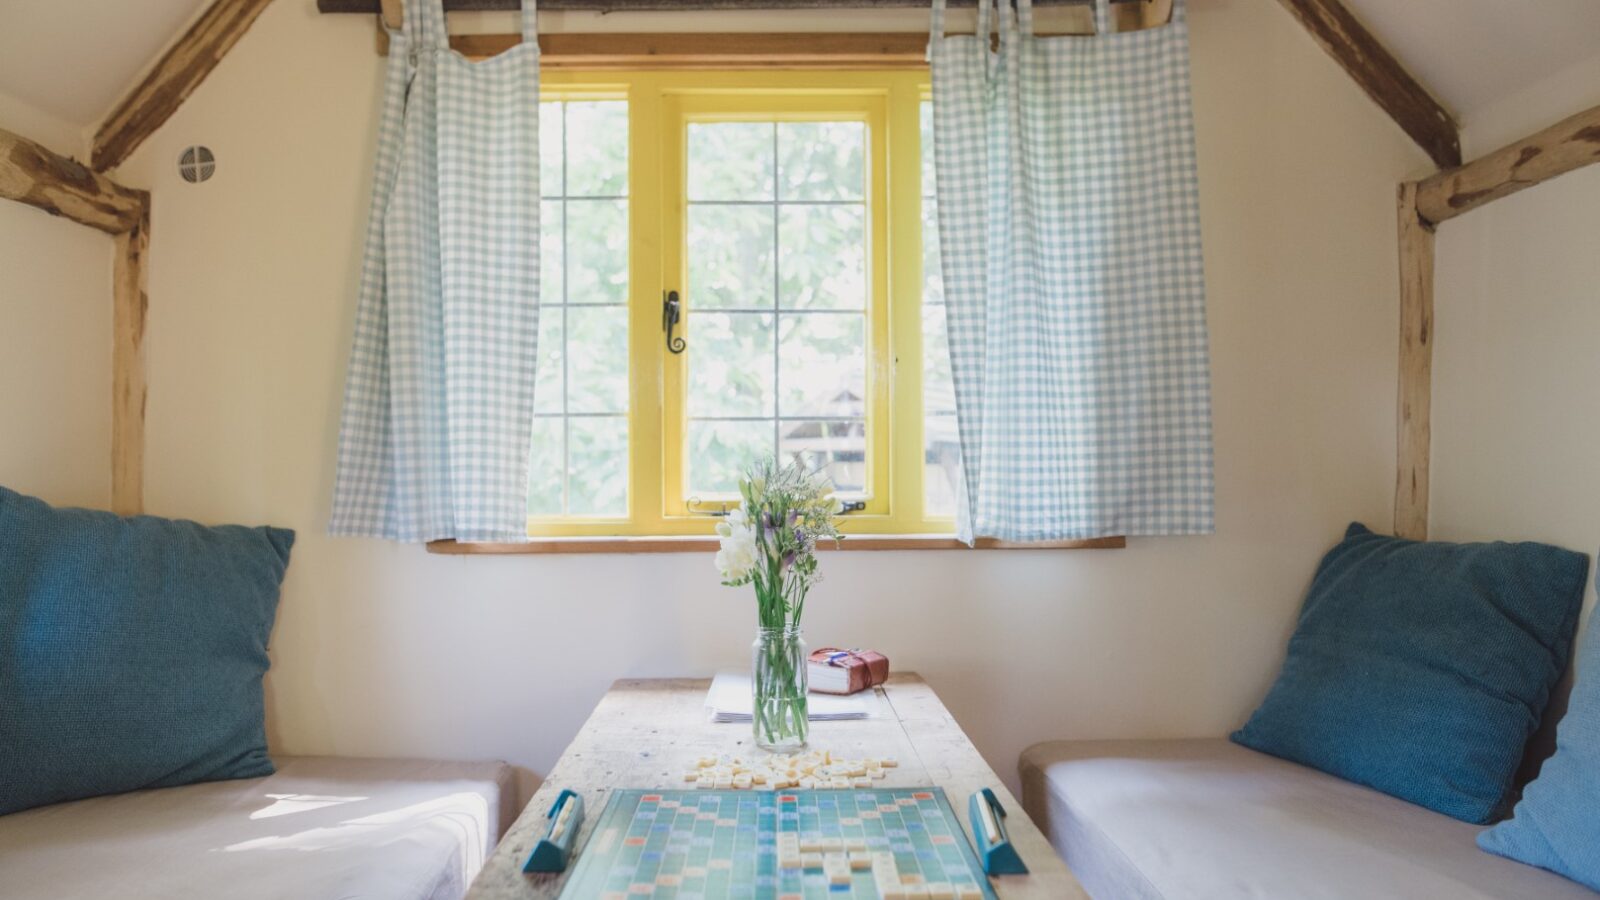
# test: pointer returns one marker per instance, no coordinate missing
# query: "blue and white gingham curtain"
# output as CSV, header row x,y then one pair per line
x,y
1069,230
438,406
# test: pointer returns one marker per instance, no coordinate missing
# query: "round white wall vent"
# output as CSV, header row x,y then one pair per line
x,y
197,164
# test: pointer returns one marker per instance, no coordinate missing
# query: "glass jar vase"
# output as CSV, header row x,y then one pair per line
x,y
778,689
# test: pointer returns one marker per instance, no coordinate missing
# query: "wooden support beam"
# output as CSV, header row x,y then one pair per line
x,y
1382,76
1570,144
130,301
811,50
825,50
31,173
1414,403
175,76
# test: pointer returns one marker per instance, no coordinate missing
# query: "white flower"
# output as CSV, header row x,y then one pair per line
x,y
737,558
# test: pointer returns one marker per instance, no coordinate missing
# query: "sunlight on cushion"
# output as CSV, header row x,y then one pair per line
x,y
289,804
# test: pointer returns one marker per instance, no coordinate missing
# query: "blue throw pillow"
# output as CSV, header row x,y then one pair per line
x,y
1421,669
131,651
1556,825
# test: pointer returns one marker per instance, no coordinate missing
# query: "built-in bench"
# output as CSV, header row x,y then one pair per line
x,y
321,827
1164,820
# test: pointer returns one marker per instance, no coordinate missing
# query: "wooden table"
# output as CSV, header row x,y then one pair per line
x,y
646,732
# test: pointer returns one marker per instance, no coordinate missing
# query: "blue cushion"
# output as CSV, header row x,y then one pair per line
x,y
131,651
1556,825
1422,668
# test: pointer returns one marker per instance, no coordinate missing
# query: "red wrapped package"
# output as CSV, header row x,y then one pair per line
x,y
835,671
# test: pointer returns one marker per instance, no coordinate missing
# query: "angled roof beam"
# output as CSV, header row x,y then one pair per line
x,y
1382,77
175,76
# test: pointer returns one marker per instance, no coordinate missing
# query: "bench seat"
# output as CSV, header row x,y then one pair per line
x,y
321,828
1181,819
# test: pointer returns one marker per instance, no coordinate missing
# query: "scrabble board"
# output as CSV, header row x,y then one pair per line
x,y
702,844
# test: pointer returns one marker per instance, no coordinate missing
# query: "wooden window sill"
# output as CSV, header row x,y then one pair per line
x,y
709,545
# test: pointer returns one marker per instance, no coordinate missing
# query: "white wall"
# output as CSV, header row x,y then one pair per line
x,y
1516,371
20,117
55,342
385,650
1562,93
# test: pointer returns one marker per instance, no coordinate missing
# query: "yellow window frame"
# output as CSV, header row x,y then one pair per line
x,y
661,105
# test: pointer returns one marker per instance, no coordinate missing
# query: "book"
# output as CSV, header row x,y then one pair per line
x,y
834,671
729,701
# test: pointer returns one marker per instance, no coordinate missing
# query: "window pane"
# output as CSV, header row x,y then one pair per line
x,y
719,453
597,149
598,467
823,256
823,364
938,390
597,247
836,448
583,320
927,150
731,161
942,466
597,359
730,256
731,364
932,278
550,156
549,383
545,468
552,252
822,160
941,450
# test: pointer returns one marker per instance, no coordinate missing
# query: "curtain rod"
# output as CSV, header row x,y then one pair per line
x,y
372,6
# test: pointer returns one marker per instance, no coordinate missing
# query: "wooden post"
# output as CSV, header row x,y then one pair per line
x,y
130,305
1414,403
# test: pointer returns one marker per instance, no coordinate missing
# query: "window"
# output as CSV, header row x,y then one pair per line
x,y
790,214
777,263
580,402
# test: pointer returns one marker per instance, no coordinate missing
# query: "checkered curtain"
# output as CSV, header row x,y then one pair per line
x,y
438,408
1069,230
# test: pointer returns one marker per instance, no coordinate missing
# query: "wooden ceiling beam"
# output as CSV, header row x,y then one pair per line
x,y
1570,144
1382,76
33,174
175,76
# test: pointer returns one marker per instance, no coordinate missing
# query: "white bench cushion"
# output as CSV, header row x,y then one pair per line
x,y
1170,820
322,828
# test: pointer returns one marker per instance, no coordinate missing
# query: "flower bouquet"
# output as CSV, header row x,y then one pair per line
x,y
770,541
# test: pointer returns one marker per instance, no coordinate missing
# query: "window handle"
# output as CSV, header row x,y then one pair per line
x,y
671,312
